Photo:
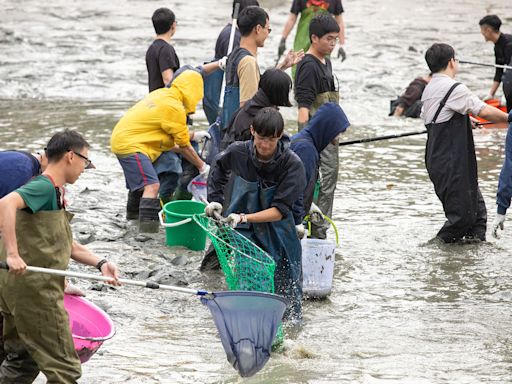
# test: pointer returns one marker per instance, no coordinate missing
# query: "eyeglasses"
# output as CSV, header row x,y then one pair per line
x,y
265,27
88,162
331,39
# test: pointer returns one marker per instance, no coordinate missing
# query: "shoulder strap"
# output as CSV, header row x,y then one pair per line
x,y
443,102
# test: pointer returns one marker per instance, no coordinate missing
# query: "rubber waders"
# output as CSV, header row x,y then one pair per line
x,y
148,215
132,205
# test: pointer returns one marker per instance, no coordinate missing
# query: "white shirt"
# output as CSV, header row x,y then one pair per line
x,y
461,100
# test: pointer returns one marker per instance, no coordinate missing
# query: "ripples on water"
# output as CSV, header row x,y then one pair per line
x,y
400,312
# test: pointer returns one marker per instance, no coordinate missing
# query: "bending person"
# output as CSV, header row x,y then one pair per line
x,y
274,89
149,141
408,104
267,179
324,128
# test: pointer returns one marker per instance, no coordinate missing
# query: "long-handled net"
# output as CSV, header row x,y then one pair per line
x,y
247,323
246,266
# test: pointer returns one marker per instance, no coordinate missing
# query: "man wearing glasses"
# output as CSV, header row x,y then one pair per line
x,y
242,70
450,152
35,230
315,85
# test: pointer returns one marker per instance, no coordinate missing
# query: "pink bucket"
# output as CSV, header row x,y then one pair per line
x,y
89,324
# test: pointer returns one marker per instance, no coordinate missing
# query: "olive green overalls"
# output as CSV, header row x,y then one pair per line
x,y
329,168
302,40
36,334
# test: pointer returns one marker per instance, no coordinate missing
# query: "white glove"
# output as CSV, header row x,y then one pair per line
x,y
71,289
301,231
234,219
315,214
213,209
222,63
489,97
201,135
498,224
204,171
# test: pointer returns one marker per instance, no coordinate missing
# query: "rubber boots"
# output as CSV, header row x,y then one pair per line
x,y
148,215
132,205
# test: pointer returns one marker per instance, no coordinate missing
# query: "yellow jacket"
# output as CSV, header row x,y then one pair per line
x,y
158,122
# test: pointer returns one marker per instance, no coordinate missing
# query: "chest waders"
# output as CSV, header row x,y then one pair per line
x,y
302,34
328,170
278,238
232,89
451,164
37,336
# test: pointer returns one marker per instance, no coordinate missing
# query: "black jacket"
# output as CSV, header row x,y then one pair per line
x,y
238,128
284,171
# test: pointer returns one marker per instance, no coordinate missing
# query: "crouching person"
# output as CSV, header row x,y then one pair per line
x,y
266,179
35,230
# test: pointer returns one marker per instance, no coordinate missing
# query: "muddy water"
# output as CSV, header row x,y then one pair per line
x,y
400,311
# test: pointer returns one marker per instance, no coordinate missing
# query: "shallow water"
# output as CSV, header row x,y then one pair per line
x,y
400,311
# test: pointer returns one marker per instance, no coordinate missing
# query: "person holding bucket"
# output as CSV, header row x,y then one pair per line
x,y
267,178
150,140
35,230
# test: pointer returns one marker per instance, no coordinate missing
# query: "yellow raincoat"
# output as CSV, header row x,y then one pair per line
x,y
158,122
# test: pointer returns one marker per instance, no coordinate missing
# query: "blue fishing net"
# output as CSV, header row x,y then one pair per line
x,y
247,323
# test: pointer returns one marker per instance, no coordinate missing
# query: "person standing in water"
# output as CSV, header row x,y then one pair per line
x,y
315,85
450,152
35,230
161,58
490,29
307,10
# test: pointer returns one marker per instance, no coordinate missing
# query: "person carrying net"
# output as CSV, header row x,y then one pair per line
x,y
266,179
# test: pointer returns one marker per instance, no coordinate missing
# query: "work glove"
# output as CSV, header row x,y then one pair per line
x,y
301,231
201,135
213,209
342,54
71,289
204,171
489,97
234,219
315,214
498,224
282,47
222,63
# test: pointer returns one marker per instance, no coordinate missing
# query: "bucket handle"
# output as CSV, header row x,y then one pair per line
x,y
171,225
330,222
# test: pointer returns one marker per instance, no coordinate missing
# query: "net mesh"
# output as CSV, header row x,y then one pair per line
x,y
246,266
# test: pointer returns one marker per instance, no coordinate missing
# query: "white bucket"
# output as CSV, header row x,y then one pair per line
x,y
317,267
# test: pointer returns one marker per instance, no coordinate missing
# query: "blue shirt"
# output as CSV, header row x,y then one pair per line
x,y
16,169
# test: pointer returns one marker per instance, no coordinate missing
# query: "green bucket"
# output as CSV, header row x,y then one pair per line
x,y
180,229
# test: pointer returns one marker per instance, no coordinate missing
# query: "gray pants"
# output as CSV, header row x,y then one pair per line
x,y
329,167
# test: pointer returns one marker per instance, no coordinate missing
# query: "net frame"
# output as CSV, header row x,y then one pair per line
x,y
246,266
